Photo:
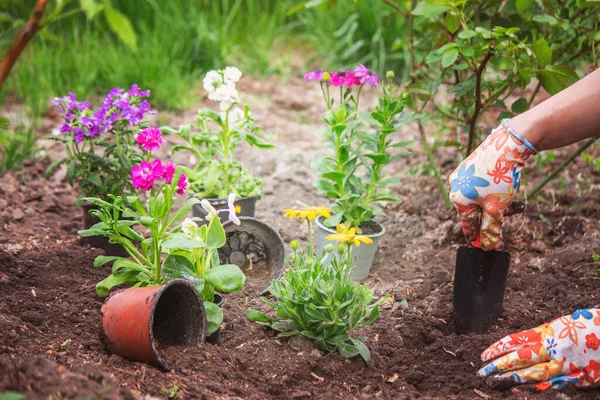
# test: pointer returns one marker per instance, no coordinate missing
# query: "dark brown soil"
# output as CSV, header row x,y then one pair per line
x,y
50,313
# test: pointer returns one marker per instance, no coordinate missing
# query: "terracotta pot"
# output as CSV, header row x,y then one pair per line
x,y
215,337
99,242
138,321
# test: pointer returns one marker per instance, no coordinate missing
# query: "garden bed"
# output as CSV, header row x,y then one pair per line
x,y
50,313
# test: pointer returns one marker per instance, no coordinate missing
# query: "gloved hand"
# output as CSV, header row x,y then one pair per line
x,y
567,350
484,184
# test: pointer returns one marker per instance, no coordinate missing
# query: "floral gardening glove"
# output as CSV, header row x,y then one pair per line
x,y
484,184
567,350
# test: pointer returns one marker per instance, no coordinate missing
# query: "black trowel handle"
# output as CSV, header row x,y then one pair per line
x,y
515,207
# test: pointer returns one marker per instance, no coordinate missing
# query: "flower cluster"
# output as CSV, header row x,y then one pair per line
x,y
220,85
150,139
80,120
360,76
144,175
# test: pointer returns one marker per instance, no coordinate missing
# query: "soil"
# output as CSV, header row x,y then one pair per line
x,y
50,313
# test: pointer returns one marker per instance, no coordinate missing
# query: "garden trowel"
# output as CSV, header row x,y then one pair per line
x,y
479,283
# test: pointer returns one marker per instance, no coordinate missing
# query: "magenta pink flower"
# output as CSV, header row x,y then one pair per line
x,y
150,139
316,75
366,76
144,175
170,168
343,77
182,184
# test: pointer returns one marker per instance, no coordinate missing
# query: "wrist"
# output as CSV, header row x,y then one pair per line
x,y
529,129
506,123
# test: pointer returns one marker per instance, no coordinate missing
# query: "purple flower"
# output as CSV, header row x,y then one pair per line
x,y
79,135
65,127
150,139
343,77
144,175
182,184
68,116
170,170
316,75
135,91
366,76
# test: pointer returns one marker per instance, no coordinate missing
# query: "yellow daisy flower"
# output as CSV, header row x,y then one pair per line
x,y
348,236
309,213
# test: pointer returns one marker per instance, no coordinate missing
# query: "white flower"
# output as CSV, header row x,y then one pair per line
x,y
231,203
212,80
224,105
232,74
188,226
192,160
236,118
210,210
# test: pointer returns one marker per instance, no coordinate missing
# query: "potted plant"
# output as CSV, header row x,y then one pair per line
x,y
212,142
317,299
172,249
101,147
354,175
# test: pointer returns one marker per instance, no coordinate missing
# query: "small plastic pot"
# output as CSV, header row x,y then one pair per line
x,y
363,255
99,242
247,205
215,337
137,321
256,240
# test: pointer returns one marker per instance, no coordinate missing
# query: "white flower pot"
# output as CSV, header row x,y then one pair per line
x,y
363,254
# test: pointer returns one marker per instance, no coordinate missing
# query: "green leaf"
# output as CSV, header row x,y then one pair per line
x,y
54,166
449,57
362,349
452,22
226,278
214,317
347,350
121,26
258,142
101,260
556,78
429,11
104,286
216,237
179,241
522,5
335,176
11,396
177,266
212,176
519,106
258,317
90,8
542,52
545,19
504,115
467,34
185,209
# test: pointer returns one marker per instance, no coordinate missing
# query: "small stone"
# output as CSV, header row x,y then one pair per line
x,y
301,395
29,211
18,214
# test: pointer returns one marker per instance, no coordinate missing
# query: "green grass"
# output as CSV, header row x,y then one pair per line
x,y
178,41
17,144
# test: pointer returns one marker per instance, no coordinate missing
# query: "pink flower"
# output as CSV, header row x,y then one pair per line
x,y
366,76
144,175
170,170
150,139
343,77
316,75
182,184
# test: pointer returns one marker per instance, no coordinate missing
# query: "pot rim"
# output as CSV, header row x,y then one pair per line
x,y
215,200
157,297
219,299
372,235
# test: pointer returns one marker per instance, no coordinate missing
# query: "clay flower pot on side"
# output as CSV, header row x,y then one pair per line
x,y
247,205
364,254
99,242
137,322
